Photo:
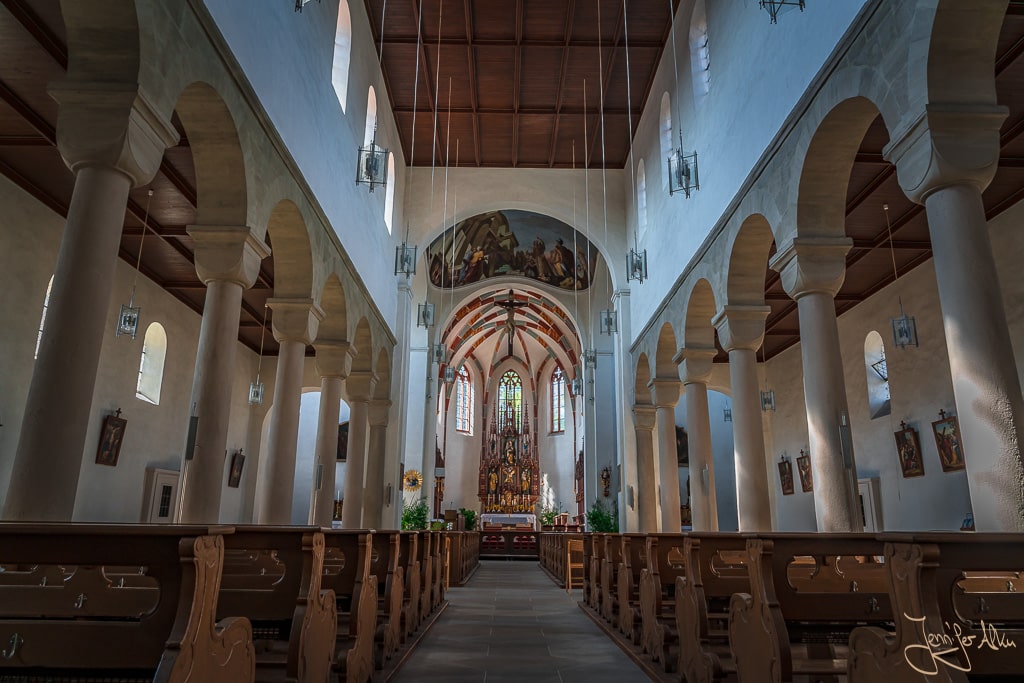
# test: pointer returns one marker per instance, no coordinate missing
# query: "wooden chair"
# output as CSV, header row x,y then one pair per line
x,y
574,574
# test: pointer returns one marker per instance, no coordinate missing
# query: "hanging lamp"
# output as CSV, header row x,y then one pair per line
x,y
609,323
904,328
372,162
299,4
682,167
128,317
636,259
768,395
256,387
775,6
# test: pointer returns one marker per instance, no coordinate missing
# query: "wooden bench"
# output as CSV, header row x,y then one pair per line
x,y
158,626
390,594
274,580
664,564
958,611
593,556
807,593
609,577
632,562
440,547
347,573
426,551
410,563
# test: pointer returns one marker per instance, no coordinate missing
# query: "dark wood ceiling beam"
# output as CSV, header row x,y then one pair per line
x,y
526,43
179,182
654,72
467,7
46,38
536,111
517,72
782,332
139,214
165,230
44,197
31,117
427,83
23,141
613,50
569,14
870,188
782,296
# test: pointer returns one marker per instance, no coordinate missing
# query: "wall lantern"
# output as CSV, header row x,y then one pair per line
x,y
449,374
299,4
609,324
682,172
372,166
636,265
405,259
425,315
440,354
727,413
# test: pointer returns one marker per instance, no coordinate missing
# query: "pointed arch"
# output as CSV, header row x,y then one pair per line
x,y
700,53
151,364
464,400
557,396
341,65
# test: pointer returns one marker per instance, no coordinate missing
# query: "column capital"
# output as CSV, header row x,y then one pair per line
x,y
948,144
645,416
228,253
333,358
741,327
380,410
812,264
359,386
295,319
695,364
113,125
665,391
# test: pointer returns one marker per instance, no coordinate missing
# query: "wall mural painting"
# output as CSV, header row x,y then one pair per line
x,y
512,242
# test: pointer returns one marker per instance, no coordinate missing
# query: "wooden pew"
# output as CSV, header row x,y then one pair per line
x,y
807,593
440,568
390,588
347,573
593,557
664,564
714,569
958,611
274,581
409,560
632,562
609,578
88,627
426,551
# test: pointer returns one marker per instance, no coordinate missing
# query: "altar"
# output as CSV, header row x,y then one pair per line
x,y
509,474
491,519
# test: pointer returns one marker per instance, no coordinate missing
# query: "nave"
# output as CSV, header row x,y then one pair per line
x,y
511,623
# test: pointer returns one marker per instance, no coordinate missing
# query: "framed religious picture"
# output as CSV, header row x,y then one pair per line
x,y
343,442
686,516
682,447
110,439
803,466
786,477
908,448
947,439
235,475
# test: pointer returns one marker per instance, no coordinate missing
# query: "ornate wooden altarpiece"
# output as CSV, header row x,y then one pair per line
x,y
509,466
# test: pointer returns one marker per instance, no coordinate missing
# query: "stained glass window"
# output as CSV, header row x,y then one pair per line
x,y
558,400
463,402
510,401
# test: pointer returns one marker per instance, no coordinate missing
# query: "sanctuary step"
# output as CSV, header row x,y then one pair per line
x,y
511,623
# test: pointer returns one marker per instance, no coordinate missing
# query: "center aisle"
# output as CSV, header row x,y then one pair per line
x,y
510,623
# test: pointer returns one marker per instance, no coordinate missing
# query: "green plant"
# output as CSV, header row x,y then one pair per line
x,y
602,519
438,526
548,516
414,515
470,517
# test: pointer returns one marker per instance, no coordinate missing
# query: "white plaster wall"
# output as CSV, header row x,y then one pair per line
x,y
751,61
155,434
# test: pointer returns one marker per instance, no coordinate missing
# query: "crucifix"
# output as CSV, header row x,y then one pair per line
x,y
510,305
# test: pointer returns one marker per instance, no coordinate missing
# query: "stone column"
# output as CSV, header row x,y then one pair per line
x,y
945,162
373,493
227,261
666,396
294,324
741,331
695,367
359,387
111,141
812,270
333,362
625,475
645,418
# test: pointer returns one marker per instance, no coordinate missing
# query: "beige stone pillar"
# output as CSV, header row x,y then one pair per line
x,y
294,324
111,141
359,387
645,418
373,493
812,271
227,261
333,362
666,396
695,367
741,331
945,162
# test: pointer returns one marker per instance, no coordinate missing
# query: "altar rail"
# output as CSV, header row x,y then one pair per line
x,y
509,544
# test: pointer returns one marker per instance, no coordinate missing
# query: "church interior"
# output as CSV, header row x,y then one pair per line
x,y
713,307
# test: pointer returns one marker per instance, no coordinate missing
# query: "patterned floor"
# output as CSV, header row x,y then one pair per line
x,y
510,623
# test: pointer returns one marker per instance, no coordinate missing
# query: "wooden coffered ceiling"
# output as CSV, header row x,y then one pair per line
x,y
516,71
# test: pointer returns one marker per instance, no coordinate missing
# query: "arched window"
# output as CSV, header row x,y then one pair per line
x,y
371,116
463,402
389,196
342,54
510,401
641,199
700,56
666,136
879,403
558,400
42,318
151,365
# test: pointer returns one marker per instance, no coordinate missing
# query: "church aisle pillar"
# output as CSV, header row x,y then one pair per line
x,y
741,331
645,417
294,324
373,492
695,367
111,141
945,162
227,261
812,270
359,387
666,396
333,362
